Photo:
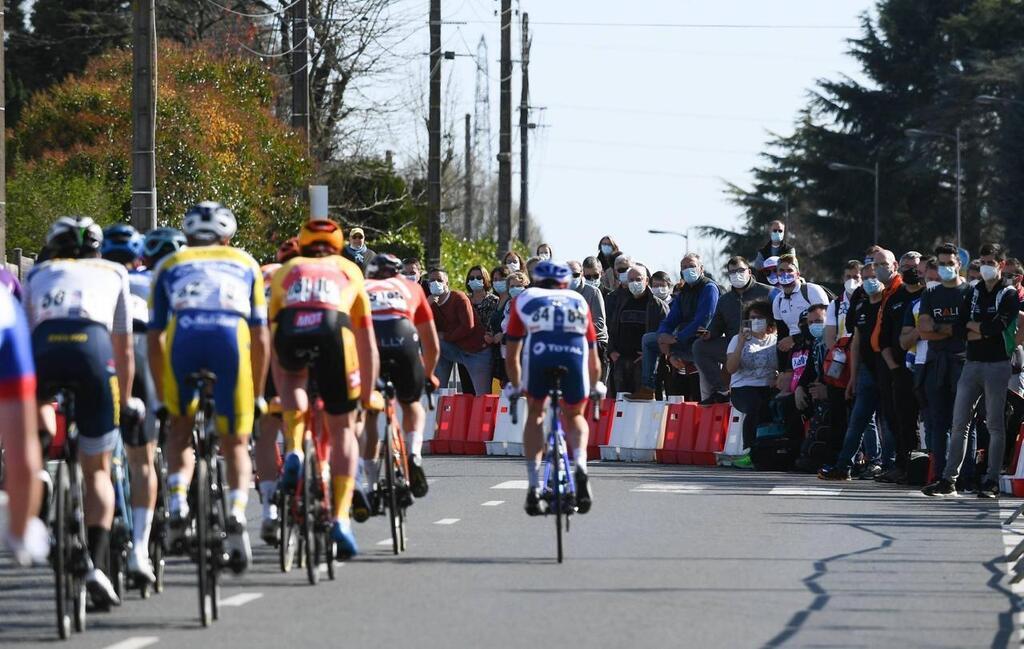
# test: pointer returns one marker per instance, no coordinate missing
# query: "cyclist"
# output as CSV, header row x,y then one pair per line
x,y
79,309
403,324
27,536
322,326
208,312
552,326
122,244
265,449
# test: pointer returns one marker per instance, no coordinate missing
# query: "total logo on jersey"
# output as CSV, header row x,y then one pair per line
x,y
541,348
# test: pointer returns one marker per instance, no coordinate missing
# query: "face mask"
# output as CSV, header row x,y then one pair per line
x,y
851,285
606,249
947,273
623,277
501,286
817,329
544,256
412,277
989,273
932,284
758,325
576,282
437,288
513,265
516,290
661,292
636,288
777,237
911,276
594,283
773,279
872,286
691,275
884,274
785,279
475,284
738,279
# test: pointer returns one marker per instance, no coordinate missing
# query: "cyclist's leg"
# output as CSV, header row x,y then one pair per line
x,y
234,399
140,447
291,378
575,390
369,440
267,457
183,352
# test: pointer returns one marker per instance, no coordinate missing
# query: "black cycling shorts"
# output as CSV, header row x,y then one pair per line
x,y
322,341
399,347
78,355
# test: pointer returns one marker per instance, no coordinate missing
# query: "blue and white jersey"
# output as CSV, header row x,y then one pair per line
x,y
140,282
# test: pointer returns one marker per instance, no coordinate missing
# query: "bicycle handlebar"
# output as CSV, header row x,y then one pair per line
x,y
430,394
595,407
512,403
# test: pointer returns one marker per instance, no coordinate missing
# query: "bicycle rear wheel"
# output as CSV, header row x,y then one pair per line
x,y
308,511
202,517
218,524
77,544
62,559
158,534
556,497
286,521
394,510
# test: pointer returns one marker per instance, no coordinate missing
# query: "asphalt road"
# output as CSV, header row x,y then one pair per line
x,y
669,557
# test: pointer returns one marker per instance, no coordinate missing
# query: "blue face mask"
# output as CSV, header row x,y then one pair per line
x,y
776,237
947,273
817,329
606,249
516,290
691,275
475,284
500,286
872,286
785,279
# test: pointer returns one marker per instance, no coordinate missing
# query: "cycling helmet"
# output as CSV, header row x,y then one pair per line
x,y
321,231
383,266
121,243
209,223
161,242
287,250
551,273
74,237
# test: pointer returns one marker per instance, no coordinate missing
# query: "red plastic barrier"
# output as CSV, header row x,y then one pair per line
x,y
601,430
1017,481
711,435
482,418
680,434
453,413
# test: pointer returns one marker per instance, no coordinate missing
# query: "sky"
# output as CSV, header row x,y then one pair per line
x,y
640,127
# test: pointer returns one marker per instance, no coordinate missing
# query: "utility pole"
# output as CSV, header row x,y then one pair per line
x,y
505,133
144,115
300,71
434,141
467,212
524,130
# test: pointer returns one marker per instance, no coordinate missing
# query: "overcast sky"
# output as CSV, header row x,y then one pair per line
x,y
642,124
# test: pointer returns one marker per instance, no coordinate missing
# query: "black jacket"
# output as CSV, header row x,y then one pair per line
x,y
656,312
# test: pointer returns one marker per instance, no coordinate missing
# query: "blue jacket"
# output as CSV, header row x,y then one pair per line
x,y
692,309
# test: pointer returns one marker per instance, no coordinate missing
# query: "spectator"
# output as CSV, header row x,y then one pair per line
x,y
356,250
485,302
988,319
812,397
835,317
493,336
691,311
886,271
544,252
412,269
917,348
709,350
514,262
896,381
794,298
863,386
462,337
595,300
633,317
607,252
531,263
620,291
592,272
661,286
974,272
776,246
10,282
752,362
517,283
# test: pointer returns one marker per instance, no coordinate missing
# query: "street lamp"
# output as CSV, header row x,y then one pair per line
x,y
685,235
839,166
767,201
918,133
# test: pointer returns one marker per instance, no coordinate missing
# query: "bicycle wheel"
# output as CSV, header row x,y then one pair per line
x,y
218,525
391,487
286,549
61,552
556,497
158,534
77,545
202,518
308,510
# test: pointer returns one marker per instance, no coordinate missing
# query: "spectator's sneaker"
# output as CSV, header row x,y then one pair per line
x,y
291,471
643,394
417,478
940,488
743,462
101,591
833,473
360,505
894,475
869,472
535,505
584,496
344,540
238,547
270,531
717,397
989,489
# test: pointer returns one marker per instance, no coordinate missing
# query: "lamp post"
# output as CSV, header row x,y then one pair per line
x,y
839,166
685,235
917,134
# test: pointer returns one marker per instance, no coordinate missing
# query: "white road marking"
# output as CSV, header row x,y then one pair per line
x,y
492,503
1012,536
135,643
513,484
384,542
669,488
447,521
804,491
241,599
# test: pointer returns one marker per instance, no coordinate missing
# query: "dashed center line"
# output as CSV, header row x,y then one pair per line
x,y
241,599
512,484
384,542
447,521
492,503
804,491
135,643
670,488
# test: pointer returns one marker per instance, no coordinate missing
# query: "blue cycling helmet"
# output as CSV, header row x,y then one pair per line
x,y
161,242
548,273
121,243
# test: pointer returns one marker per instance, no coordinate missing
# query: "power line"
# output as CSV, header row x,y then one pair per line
x,y
243,14
655,113
652,147
632,172
558,23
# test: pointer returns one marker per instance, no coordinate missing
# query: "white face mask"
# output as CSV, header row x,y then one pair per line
x,y
758,325
661,291
636,288
544,256
989,273
851,285
595,283
739,278
412,277
513,265
437,288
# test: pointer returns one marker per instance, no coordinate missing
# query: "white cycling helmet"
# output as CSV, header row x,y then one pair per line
x,y
74,237
209,222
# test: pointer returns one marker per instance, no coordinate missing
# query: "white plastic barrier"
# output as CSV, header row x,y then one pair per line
x,y
508,437
734,439
638,430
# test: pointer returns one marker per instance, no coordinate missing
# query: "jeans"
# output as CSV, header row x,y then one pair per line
x,y
709,356
478,364
752,401
886,414
651,352
941,375
906,410
979,380
627,374
865,404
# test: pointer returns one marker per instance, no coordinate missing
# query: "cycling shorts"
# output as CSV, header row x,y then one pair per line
x,y
78,355
542,356
144,389
218,343
399,347
322,341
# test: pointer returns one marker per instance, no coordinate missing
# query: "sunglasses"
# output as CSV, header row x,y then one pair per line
x,y
779,231
575,275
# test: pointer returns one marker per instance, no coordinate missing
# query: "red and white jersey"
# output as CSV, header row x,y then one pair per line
x,y
556,318
397,297
268,276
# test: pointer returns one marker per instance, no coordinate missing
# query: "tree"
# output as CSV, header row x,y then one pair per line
x,y
216,139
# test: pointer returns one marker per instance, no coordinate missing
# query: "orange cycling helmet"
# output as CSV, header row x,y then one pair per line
x,y
288,249
321,231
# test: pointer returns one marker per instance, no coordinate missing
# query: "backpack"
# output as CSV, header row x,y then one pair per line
x,y
807,294
773,449
835,369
